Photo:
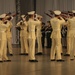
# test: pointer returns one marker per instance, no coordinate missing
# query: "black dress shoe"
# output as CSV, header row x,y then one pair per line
x,y
40,53
1,61
67,55
26,54
60,60
11,54
33,60
61,53
22,53
72,59
7,60
52,59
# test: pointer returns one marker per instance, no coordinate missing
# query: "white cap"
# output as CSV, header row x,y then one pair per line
x,y
57,12
31,12
73,11
2,16
22,16
39,16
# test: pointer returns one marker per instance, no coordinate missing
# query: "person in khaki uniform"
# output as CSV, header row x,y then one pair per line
x,y
3,46
56,23
39,36
71,25
9,36
23,35
68,36
31,28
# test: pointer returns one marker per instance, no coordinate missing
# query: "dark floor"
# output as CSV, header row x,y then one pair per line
x,y
21,66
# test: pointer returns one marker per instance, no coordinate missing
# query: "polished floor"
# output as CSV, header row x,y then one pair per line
x,y
21,66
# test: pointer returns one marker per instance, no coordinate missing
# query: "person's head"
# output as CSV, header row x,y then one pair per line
x,y
2,17
48,23
39,17
9,18
71,15
31,14
73,11
57,13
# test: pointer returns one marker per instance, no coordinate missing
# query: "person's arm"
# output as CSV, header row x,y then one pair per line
x,y
37,22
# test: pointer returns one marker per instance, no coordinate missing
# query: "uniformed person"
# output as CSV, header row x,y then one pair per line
x,y
9,35
43,34
48,30
23,35
31,28
3,46
64,35
71,25
56,23
39,35
68,35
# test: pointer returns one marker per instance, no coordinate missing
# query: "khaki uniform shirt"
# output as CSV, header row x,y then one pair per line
x,y
31,28
3,28
38,32
8,31
71,26
56,26
23,27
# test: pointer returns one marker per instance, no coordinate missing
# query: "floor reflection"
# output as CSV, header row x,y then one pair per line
x,y
21,66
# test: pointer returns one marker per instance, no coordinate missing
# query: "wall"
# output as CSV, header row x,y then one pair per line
x,y
45,5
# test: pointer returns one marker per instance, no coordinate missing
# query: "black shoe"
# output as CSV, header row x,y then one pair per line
x,y
26,54
60,60
33,60
40,53
22,54
7,60
52,59
61,53
1,61
11,54
67,55
72,59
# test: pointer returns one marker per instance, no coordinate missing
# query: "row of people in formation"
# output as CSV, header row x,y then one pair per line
x,y
6,35
57,22
31,30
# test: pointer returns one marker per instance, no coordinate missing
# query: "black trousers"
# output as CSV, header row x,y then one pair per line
x,y
43,39
49,40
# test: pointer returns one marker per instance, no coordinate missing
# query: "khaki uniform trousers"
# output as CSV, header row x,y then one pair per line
x,y
56,48
3,50
39,44
31,49
72,47
24,44
9,43
68,45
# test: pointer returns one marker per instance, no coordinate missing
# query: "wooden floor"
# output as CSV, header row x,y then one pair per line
x,y
21,66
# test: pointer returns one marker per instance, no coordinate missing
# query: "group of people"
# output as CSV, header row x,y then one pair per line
x,y
30,31
58,20
33,29
5,37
